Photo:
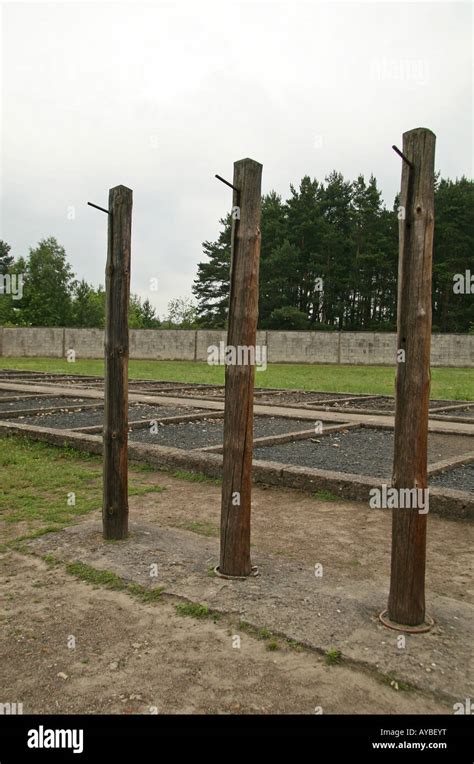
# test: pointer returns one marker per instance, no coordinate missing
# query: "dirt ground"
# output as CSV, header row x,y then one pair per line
x,y
131,657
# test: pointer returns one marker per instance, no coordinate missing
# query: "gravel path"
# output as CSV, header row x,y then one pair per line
x,y
152,383
38,403
210,432
295,397
372,404
385,403
441,404
70,420
460,478
363,451
468,412
202,392
12,394
62,420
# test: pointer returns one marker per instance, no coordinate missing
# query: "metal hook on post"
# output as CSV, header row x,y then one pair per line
x,y
402,155
98,208
227,183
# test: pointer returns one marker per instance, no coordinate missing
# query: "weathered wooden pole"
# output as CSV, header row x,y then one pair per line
x,y
115,439
406,603
239,376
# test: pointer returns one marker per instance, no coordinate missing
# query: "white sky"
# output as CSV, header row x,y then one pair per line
x,y
161,96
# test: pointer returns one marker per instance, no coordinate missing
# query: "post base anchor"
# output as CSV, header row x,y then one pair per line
x,y
253,572
421,628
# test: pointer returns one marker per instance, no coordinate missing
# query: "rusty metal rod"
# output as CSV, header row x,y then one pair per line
x,y
227,183
98,208
402,155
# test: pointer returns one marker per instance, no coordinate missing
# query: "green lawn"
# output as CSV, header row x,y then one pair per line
x,y
446,383
39,480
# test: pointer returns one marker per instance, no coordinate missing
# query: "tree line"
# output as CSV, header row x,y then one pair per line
x,y
329,259
42,290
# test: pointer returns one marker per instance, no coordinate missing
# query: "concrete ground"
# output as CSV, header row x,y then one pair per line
x,y
308,643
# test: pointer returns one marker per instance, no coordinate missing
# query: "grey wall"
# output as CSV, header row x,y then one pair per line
x,y
189,345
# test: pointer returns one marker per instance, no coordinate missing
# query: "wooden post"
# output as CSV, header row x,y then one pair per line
x,y
115,439
239,377
406,604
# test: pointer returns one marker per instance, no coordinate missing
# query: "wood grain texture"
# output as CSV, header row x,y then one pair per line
x,y
406,604
117,286
239,379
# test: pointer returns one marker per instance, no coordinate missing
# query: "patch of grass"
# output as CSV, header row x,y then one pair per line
x,y
203,527
142,490
140,467
50,560
195,477
195,610
272,644
271,640
40,480
294,645
95,576
110,580
326,496
144,594
36,489
332,656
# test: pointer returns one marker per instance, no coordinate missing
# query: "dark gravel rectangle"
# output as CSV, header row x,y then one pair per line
x,y
460,478
210,432
467,412
364,451
202,392
40,402
12,394
65,420
384,403
295,397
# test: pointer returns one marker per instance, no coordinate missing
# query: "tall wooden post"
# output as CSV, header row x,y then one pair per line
x,y
406,604
239,377
115,439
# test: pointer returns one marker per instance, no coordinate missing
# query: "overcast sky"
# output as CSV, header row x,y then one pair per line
x,y
160,97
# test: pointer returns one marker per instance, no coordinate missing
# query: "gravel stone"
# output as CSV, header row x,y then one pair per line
x,y
364,451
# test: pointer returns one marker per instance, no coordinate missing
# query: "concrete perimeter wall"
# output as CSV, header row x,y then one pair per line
x,y
370,348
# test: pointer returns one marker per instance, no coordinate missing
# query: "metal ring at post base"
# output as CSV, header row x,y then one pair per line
x,y
253,572
422,628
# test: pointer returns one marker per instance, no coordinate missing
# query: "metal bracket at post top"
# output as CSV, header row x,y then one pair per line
x,y
98,208
237,191
405,159
227,183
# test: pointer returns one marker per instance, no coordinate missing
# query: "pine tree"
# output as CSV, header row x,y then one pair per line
x,y
211,287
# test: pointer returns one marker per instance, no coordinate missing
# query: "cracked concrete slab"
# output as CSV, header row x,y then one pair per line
x,y
287,598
